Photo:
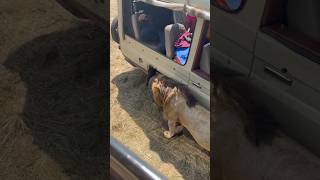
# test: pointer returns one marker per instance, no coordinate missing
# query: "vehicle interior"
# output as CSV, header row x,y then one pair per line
x,y
296,24
164,31
134,26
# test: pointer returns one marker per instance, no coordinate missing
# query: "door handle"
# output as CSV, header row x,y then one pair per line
x,y
197,85
274,73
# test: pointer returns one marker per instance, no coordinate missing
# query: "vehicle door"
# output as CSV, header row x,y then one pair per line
x,y
199,63
286,67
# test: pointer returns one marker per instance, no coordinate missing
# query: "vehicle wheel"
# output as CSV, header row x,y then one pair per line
x,y
114,30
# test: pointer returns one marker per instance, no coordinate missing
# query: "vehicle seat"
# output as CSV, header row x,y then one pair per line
x,y
172,32
205,59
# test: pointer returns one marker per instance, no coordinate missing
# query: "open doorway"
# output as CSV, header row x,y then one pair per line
x,y
146,23
168,32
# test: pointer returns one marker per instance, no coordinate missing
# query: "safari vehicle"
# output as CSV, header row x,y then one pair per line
x,y
275,44
147,54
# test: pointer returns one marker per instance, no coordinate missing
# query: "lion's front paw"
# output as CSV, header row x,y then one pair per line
x,y
167,134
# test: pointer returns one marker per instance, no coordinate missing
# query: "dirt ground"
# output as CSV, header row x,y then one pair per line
x,y
136,122
51,94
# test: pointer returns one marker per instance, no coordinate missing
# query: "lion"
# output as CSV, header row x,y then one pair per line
x,y
181,110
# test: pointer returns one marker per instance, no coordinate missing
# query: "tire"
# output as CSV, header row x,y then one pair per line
x,y
114,30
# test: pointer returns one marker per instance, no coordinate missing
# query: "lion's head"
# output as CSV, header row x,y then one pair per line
x,y
164,88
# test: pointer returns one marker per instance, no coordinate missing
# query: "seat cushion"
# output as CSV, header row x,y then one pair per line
x,y
172,32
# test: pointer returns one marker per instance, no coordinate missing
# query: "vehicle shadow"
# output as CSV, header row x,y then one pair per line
x,y
182,152
64,103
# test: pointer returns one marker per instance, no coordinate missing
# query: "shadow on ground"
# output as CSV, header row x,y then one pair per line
x,y
135,98
63,109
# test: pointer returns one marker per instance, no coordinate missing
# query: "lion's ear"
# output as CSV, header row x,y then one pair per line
x,y
156,94
155,80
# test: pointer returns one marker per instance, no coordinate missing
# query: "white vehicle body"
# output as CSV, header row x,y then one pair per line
x,y
144,57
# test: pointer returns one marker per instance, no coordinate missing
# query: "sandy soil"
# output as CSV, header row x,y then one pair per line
x,y
51,94
136,122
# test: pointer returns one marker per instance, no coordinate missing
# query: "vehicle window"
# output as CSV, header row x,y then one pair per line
x,y
146,23
228,5
165,31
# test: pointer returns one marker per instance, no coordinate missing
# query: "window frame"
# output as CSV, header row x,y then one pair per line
x,y
295,41
195,66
